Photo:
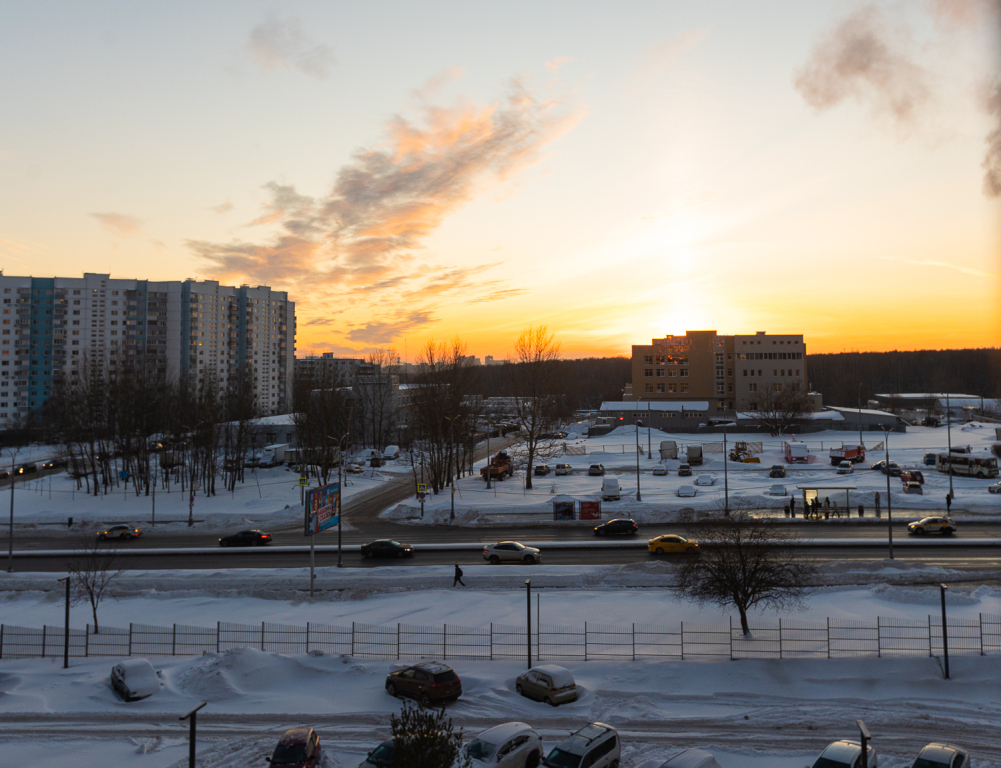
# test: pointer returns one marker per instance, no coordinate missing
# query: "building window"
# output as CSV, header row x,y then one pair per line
x,y
672,373
684,388
660,359
684,372
672,388
729,388
752,387
648,371
660,373
721,405
777,387
660,388
729,372
649,388
720,390
648,359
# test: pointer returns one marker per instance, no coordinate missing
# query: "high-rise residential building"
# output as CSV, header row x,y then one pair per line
x,y
326,367
731,373
191,329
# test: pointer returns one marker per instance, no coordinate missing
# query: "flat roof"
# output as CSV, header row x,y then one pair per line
x,y
656,405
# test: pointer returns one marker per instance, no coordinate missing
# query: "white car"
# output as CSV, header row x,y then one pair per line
x,y
994,487
845,754
943,756
686,490
777,490
595,745
134,679
705,480
660,471
846,468
511,745
563,469
689,758
511,552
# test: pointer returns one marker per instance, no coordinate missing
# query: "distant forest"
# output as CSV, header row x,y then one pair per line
x,y
587,382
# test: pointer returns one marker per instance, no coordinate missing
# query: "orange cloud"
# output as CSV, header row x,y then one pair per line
x,y
118,223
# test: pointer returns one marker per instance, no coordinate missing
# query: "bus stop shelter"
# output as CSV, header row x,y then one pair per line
x,y
820,492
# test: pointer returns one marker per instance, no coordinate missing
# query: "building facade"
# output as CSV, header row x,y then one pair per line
x,y
326,367
186,328
731,373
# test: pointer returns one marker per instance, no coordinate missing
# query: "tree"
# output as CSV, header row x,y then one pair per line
x,y
376,388
746,562
425,738
779,409
93,569
536,384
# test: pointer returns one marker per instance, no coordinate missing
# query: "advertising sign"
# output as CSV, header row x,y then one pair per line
x,y
563,510
323,508
590,510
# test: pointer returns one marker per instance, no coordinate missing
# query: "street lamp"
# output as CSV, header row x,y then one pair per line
x,y
10,541
726,482
528,625
945,632
639,423
340,498
66,636
889,501
948,437
649,428
860,414
490,427
451,453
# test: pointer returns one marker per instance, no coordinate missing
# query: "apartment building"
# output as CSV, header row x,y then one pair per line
x,y
326,367
728,372
191,328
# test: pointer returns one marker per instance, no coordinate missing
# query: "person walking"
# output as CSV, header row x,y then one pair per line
x,y
458,576
877,503
948,503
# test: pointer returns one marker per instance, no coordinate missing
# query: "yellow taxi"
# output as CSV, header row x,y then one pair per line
x,y
942,525
671,543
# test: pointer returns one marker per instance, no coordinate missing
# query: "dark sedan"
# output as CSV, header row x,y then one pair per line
x,y
25,469
54,464
387,548
246,539
615,527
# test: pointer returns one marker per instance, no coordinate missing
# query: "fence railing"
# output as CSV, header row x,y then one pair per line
x,y
835,638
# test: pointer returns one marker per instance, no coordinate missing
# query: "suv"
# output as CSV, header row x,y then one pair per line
x,y
777,470
541,469
564,469
685,470
596,469
428,682
943,756
595,745
510,552
511,745
881,466
297,748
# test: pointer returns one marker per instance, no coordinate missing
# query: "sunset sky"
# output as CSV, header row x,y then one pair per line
x,y
616,171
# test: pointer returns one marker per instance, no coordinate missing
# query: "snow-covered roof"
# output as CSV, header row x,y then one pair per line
x,y
809,416
656,405
856,411
280,420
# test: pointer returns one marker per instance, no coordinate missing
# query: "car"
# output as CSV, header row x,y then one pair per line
x,y
691,758
428,682
617,526
913,487
913,475
541,469
4,474
777,490
595,745
54,464
672,543
845,753
610,490
942,525
120,531
685,470
297,748
387,548
511,552
929,460
777,470
942,756
25,469
510,745
380,757
660,471
994,487
881,466
596,469
134,679
846,468
563,469
705,480
354,468
548,683
686,490
253,538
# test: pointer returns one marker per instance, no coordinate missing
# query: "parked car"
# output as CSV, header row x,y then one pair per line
x,y
511,552
54,464
942,525
672,543
391,452
549,683
25,469
686,490
354,468
913,487
881,466
511,745
297,748
4,474
685,470
942,756
846,468
428,682
121,531
610,490
596,469
541,470
913,475
595,746
564,469
660,471
929,460
845,754
134,679
380,757
692,758
777,470
994,487
705,480
387,548
617,526
253,538
777,490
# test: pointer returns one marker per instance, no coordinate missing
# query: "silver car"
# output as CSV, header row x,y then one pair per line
x,y
511,552
942,756
846,753
547,682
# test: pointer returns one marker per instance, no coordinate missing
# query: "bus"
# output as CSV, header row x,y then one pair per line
x,y
967,464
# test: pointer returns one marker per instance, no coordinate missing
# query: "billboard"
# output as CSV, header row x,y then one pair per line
x,y
590,510
323,508
563,510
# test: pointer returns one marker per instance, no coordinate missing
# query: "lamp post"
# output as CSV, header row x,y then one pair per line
x,y
489,429
860,414
726,482
649,428
639,423
889,501
451,453
864,738
66,636
10,539
945,632
948,437
528,624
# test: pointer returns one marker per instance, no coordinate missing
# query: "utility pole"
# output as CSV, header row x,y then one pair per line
x,y
451,454
639,423
948,437
649,427
489,430
945,633
889,501
66,636
726,481
860,414
10,538
528,623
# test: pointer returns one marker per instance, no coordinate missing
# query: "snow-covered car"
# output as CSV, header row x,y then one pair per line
x,y
686,490
777,490
595,745
705,480
563,469
846,468
297,748
354,468
549,683
510,745
660,471
994,488
942,756
511,552
134,679
689,758
845,754
913,487
596,470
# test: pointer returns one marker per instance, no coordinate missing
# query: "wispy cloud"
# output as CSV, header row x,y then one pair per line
x,y
281,44
944,265
222,207
505,293
385,332
992,157
119,224
659,58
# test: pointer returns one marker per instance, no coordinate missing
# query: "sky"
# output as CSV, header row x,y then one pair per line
x,y
616,172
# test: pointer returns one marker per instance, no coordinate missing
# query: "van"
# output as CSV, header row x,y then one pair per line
x,y
610,489
273,455
391,452
564,469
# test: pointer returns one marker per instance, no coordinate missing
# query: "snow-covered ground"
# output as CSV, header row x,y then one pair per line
x,y
749,484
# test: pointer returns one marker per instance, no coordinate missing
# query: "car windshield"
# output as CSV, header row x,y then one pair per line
x,y
382,755
481,750
560,759
925,763
445,677
396,544
289,754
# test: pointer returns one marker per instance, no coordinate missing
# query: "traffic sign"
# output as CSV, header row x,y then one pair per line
x,y
422,487
303,480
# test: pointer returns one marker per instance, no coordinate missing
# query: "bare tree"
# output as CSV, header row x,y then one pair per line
x,y
746,562
536,384
425,738
375,387
93,569
779,409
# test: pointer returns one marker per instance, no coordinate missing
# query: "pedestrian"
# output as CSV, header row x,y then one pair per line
x,y
877,503
458,576
948,503
792,506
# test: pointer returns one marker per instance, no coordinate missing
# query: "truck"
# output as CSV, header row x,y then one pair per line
x,y
796,452
694,455
273,455
852,453
668,449
500,466
610,490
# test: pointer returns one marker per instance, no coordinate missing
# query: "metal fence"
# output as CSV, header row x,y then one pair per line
x,y
833,639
